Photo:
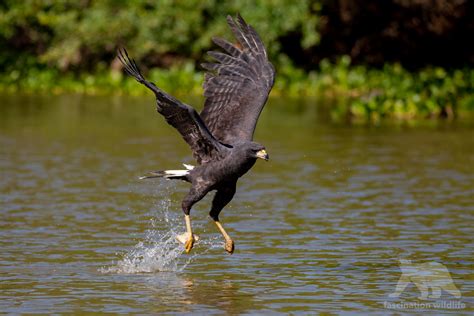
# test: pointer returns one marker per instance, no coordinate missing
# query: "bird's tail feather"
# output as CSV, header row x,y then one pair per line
x,y
169,174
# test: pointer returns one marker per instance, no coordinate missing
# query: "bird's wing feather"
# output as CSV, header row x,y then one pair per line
x,y
236,87
179,115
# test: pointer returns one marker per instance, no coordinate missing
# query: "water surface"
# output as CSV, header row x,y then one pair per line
x,y
318,228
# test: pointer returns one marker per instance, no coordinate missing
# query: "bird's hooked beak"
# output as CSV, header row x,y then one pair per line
x,y
262,154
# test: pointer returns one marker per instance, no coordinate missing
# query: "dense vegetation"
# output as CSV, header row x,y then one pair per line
x,y
399,58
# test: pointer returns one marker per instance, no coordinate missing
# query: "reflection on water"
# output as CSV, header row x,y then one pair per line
x,y
319,228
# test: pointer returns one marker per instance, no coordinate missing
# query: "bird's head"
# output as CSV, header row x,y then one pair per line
x,y
256,150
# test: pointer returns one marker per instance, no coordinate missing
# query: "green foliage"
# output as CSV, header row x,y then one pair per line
x,y
178,80
373,94
395,92
67,34
358,92
65,45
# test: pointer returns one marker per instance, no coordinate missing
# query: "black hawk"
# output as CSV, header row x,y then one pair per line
x,y
236,88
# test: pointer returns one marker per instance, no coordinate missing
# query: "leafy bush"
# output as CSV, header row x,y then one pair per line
x,y
84,34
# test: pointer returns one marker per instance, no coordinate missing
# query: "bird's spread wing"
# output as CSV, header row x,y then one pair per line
x,y
181,116
237,85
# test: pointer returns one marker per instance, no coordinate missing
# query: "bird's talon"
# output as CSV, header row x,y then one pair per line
x,y
184,237
189,244
229,246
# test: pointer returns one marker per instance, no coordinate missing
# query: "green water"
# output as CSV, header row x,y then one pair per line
x,y
318,228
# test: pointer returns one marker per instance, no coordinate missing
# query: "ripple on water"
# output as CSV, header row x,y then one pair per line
x,y
318,229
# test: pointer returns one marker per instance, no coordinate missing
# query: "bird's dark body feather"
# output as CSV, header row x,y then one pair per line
x,y
236,89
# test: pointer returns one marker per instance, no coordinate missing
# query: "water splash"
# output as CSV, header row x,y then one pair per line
x,y
160,251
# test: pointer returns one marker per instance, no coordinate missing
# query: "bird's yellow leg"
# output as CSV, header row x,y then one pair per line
x,y
188,245
229,244
187,238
